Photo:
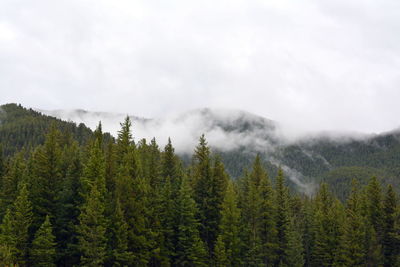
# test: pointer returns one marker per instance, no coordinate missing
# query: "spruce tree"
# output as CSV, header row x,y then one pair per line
x,y
43,249
282,216
69,201
329,216
8,241
22,218
251,222
228,245
375,206
2,163
268,209
168,220
169,163
94,172
351,251
220,257
190,249
294,252
124,140
118,241
45,177
390,236
9,183
91,229
132,190
203,193
209,183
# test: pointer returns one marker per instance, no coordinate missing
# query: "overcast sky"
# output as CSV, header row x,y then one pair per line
x,y
314,64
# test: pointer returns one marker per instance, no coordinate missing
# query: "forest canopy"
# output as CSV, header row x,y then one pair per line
x,y
83,198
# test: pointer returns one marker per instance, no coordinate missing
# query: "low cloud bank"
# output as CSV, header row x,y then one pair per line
x,y
224,129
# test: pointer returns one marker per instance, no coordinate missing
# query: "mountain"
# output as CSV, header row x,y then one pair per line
x,y
237,136
26,128
335,158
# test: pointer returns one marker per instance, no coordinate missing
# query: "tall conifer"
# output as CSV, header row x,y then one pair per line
x,y
190,249
43,250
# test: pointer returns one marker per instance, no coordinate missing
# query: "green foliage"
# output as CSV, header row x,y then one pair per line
x,y
294,252
22,219
227,250
9,184
390,238
91,229
282,217
329,216
121,203
8,241
190,249
26,128
43,249
118,241
209,183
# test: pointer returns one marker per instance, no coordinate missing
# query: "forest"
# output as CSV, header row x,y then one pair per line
x,y
83,198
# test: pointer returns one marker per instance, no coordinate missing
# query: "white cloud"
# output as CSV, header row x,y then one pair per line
x,y
314,64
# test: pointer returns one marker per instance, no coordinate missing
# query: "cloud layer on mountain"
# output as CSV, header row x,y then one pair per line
x,y
313,64
224,129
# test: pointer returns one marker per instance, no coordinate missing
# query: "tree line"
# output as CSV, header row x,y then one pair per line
x,y
126,203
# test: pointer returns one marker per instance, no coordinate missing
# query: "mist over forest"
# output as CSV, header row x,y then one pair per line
x,y
199,133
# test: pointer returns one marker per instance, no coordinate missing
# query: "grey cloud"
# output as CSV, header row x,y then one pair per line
x,y
225,129
311,65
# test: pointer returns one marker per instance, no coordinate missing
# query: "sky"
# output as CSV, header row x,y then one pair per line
x,y
311,64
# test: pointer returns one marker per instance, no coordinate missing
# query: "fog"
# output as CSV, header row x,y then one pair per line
x,y
222,128
313,64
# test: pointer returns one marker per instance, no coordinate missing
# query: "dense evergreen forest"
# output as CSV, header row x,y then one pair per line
x,y
81,198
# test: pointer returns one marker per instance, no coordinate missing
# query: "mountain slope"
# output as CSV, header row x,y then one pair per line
x,y
26,128
237,136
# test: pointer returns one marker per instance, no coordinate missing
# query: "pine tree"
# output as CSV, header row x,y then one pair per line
x,y
190,249
91,230
9,183
169,164
111,169
172,176
251,222
294,252
390,237
351,251
8,241
209,183
2,163
98,135
94,172
375,206
43,250
69,200
282,216
133,190
22,219
227,250
151,174
45,177
203,193
118,242
124,140
329,215
268,209
220,257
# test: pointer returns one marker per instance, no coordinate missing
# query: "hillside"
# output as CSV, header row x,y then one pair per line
x,y
237,136
26,128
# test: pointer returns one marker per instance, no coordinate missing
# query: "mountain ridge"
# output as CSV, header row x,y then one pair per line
x,y
307,160
331,158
